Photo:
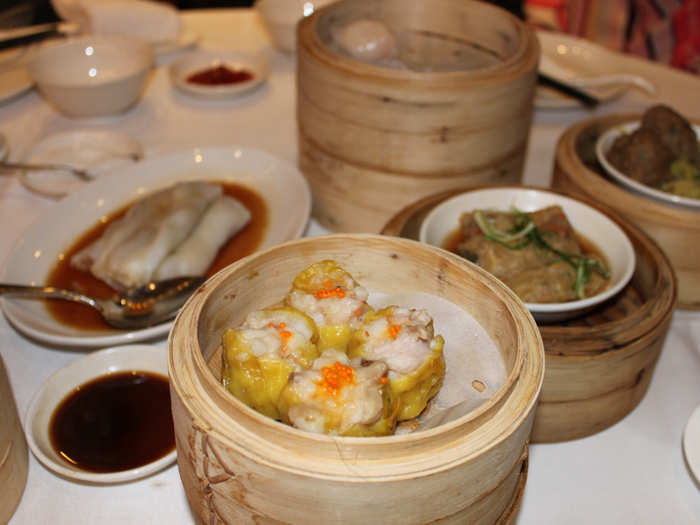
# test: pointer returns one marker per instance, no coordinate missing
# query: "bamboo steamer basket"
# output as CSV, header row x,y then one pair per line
x,y
675,229
14,460
373,139
238,466
597,367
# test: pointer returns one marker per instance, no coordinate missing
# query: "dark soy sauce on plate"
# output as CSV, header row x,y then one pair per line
x,y
115,422
63,275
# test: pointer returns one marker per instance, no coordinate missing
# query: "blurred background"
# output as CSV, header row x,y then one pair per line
x,y
666,31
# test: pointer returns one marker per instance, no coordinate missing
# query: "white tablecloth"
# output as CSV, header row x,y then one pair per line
x,y
631,473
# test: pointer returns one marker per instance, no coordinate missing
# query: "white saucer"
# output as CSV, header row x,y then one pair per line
x,y
97,151
144,358
691,443
199,61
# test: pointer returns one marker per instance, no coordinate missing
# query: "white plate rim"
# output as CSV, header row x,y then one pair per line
x,y
691,443
253,168
508,195
198,60
550,40
603,145
103,363
86,135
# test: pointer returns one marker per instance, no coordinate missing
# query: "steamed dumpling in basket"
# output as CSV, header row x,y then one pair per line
x,y
332,298
404,339
260,356
338,396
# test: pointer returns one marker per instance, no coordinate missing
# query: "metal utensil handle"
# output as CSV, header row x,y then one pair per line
x,y
46,292
51,167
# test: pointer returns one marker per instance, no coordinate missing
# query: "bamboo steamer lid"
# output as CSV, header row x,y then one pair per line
x,y
675,229
14,460
238,466
597,367
373,139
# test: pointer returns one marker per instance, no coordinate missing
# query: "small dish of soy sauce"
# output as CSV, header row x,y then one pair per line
x,y
106,417
218,74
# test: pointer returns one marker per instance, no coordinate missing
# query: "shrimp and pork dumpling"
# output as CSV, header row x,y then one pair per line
x,y
260,356
332,298
341,397
404,339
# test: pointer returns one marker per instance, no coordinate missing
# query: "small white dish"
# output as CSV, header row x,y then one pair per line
x,y
92,76
691,443
574,60
281,185
589,222
603,146
95,150
281,16
183,68
143,358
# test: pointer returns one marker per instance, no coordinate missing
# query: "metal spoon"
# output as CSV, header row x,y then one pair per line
x,y
141,307
80,173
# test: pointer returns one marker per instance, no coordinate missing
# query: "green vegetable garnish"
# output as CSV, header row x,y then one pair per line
x,y
526,230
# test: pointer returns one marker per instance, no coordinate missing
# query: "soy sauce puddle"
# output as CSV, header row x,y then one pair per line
x,y
115,422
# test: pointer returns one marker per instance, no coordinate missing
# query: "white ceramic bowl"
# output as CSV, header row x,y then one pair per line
x,y
281,16
603,146
591,223
199,61
92,76
84,369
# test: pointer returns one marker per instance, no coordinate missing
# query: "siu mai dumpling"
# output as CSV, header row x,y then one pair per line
x,y
404,339
260,356
223,219
132,247
340,397
332,298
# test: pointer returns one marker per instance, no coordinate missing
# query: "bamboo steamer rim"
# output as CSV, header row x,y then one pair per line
x,y
451,444
524,59
665,284
607,192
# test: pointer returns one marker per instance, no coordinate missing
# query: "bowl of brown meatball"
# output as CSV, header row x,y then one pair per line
x,y
657,156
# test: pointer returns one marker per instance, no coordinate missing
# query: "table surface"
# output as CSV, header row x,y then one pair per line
x,y
633,472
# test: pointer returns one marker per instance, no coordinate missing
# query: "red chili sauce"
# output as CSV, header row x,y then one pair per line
x,y
219,76
63,275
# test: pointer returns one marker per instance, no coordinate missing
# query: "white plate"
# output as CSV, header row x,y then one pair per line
x,y
144,358
283,187
97,151
568,58
691,443
595,226
199,61
602,147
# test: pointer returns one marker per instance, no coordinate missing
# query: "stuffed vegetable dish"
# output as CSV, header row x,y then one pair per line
x,y
537,254
324,361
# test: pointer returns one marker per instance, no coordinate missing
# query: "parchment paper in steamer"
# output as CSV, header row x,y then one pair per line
x,y
471,358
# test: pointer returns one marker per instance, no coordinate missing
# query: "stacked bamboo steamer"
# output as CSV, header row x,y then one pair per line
x,y
374,139
14,460
238,466
675,229
597,367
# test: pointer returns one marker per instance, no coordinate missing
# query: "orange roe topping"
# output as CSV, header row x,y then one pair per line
x,y
394,330
285,335
335,377
383,380
329,291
